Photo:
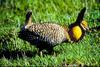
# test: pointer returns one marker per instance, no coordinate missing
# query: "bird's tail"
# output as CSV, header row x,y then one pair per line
x,y
28,21
28,16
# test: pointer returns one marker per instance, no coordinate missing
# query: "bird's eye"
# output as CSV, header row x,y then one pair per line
x,y
84,23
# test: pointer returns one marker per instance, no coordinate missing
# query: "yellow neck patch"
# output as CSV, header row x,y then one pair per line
x,y
76,32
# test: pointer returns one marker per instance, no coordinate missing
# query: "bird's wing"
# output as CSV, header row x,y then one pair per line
x,y
50,33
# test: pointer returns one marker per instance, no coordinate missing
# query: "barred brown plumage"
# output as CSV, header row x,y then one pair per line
x,y
51,33
44,35
48,35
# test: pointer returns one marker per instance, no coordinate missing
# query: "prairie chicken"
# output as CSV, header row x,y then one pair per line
x,y
48,35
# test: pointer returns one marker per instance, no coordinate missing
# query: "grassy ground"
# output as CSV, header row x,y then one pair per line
x,y
16,52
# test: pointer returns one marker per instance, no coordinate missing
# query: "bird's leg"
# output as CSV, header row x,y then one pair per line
x,y
50,50
40,52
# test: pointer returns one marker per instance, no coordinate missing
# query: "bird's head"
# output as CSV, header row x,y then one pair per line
x,y
84,25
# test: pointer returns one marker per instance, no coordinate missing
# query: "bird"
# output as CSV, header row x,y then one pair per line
x,y
48,35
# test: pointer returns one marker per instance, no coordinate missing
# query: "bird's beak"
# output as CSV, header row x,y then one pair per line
x,y
87,28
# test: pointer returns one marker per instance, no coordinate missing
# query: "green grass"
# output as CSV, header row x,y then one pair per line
x,y
63,12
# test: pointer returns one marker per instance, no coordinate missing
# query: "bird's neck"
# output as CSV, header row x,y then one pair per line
x,y
67,37
75,33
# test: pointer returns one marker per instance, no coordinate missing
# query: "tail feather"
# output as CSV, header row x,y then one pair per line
x,y
81,15
28,15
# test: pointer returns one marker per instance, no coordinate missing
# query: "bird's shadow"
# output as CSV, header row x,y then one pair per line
x,y
17,54
20,54
96,28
